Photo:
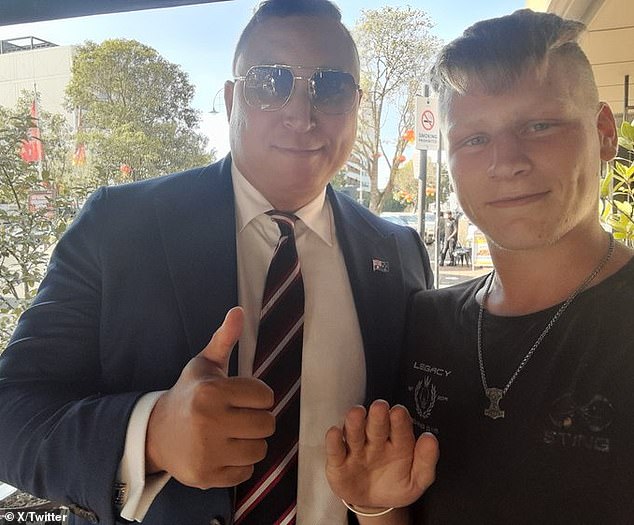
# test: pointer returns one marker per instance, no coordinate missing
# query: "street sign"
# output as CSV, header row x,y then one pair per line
x,y
41,199
480,254
427,123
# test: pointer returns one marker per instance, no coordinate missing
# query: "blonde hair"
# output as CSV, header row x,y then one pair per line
x,y
493,54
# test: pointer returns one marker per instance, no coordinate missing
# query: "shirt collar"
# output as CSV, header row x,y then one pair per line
x,y
250,203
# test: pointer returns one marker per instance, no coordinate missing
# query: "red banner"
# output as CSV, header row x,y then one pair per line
x,y
32,148
79,157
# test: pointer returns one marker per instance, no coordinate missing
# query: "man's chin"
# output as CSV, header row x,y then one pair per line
x,y
297,193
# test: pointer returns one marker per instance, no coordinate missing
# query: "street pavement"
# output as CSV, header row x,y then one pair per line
x,y
450,275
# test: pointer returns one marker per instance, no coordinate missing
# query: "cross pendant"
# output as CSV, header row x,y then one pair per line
x,y
495,395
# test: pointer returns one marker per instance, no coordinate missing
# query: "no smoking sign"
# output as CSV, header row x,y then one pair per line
x,y
427,120
427,130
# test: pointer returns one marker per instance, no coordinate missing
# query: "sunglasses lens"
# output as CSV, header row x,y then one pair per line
x,y
333,92
267,87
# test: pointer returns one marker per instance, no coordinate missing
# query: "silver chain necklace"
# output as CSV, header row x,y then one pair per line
x,y
495,395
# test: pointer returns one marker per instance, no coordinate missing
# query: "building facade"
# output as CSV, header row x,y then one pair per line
x,y
28,64
609,44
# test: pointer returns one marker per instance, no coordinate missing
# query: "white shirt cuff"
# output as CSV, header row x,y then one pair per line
x,y
140,489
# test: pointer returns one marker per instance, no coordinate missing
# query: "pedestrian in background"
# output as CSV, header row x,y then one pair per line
x,y
450,239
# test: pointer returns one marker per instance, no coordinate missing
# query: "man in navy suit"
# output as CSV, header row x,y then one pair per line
x,y
113,399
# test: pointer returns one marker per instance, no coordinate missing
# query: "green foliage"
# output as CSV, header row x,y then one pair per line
x,y
137,122
617,189
136,116
626,136
404,194
26,236
395,48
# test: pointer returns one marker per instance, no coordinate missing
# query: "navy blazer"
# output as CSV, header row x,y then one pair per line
x,y
135,288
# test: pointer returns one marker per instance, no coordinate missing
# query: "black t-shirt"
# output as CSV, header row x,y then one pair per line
x,y
564,452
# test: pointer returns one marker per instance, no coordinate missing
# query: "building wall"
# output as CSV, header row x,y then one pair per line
x,y
48,68
608,43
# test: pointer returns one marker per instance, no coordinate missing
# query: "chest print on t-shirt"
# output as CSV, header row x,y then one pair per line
x,y
572,424
427,393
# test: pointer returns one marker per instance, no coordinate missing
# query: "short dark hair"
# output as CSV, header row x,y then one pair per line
x,y
268,9
496,52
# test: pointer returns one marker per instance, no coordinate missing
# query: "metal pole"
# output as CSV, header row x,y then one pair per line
x,y
422,185
422,181
626,97
436,247
37,113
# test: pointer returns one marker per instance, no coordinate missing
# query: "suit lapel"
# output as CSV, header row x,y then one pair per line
x,y
197,224
375,273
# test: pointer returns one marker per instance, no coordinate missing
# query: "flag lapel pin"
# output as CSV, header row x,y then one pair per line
x,y
380,266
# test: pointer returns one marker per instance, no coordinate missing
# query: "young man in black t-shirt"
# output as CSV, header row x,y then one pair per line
x,y
525,382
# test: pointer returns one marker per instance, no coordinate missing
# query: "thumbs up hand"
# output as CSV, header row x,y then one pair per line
x,y
218,350
208,430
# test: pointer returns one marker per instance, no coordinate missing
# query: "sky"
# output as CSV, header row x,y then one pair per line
x,y
201,38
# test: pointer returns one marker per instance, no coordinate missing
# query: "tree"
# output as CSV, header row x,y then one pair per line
x,y
395,48
27,232
404,194
136,119
136,123
446,185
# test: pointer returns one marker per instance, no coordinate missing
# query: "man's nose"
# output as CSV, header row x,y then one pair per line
x,y
508,156
298,112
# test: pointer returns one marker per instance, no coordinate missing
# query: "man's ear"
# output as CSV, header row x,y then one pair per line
x,y
229,87
608,137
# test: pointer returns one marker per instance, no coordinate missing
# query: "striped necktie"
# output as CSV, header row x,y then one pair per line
x,y
270,496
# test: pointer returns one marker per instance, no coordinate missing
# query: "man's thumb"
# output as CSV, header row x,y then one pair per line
x,y
218,350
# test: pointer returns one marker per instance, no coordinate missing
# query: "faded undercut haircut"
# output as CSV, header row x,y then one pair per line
x,y
268,9
493,54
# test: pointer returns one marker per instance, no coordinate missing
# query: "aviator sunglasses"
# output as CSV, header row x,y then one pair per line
x,y
269,88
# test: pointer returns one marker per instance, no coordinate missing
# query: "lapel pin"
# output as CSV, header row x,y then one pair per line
x,y
380,266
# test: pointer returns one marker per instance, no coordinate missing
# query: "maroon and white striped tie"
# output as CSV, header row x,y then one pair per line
x,y
270,496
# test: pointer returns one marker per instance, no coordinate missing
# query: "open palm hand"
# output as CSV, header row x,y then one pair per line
x,y
375,461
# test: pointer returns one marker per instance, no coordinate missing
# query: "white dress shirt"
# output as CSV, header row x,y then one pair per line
x,y
333,363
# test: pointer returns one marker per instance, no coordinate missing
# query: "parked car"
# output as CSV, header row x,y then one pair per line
x,y
411,220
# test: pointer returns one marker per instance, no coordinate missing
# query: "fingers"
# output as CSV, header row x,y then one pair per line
x,y
379,426
402,432
218,350
230,477
372,460
243,392
354,428
378,423
208,394
245,452
426,456
360,429
246,423
427,449
336,451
